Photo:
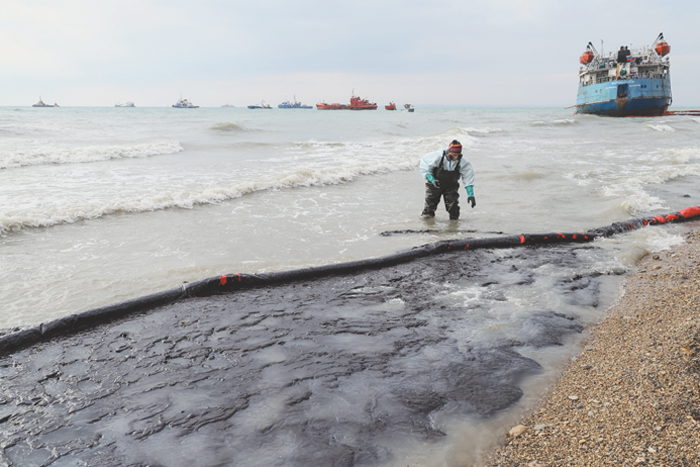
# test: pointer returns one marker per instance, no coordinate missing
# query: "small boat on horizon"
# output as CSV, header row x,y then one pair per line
x,y
294,105
185,104
391,106
228,105
262,105
128,104
42,104
409,107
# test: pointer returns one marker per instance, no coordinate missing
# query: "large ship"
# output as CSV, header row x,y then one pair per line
x,y
294,105
262,105
625,83
356,103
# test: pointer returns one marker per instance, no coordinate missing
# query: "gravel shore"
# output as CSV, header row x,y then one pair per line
x,y
632,398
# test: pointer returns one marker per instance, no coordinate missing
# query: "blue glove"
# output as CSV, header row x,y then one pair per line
x,y
430,178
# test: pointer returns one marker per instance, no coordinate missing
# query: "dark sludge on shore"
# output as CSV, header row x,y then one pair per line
x,y
330,371
344,368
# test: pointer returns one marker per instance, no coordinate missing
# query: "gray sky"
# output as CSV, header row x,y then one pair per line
x,y
467,52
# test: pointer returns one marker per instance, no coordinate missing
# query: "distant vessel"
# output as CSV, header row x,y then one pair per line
x,y
356,103
409,107
391,106
294,105
128,104
627,83
262,105
42,104
185,104
228,105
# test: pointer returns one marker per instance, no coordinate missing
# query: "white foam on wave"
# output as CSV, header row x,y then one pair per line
x,y
641,242
627,176
632,189
588,177
41,154
482,131
561,121
683,155
36,216
304,164
662,128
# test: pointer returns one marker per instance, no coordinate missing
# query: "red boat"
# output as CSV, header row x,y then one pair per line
x,y
391,106
336,106
356,103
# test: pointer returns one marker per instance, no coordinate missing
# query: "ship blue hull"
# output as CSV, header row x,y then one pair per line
x,y
625,98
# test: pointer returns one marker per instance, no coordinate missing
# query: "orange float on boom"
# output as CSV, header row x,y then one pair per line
x,y
662,48
586,57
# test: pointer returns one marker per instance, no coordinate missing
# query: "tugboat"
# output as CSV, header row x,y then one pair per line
x,y
42,104
391,106
294,105
262,105
185,104
356,103
626,83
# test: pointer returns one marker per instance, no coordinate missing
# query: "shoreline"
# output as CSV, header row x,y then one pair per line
x,y
631,397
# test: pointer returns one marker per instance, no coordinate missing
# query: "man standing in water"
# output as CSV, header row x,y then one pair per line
x,y
442,170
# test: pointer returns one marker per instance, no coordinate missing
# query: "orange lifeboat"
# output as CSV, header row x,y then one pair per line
x,y
586,57
391,106
662,48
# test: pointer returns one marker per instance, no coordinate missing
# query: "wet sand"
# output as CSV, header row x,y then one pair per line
x,y
632,397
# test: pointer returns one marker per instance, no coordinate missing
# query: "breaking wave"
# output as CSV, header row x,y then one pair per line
x,y
558,122
636,198
189,198
685,155
52,155
662,128
482,131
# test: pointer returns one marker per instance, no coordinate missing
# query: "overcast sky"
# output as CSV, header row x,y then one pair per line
x,y
213,52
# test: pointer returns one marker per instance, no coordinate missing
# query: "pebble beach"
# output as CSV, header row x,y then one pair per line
x,y
632,397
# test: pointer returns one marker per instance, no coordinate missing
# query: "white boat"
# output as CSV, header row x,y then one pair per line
x,y
128,104
42,104
185,104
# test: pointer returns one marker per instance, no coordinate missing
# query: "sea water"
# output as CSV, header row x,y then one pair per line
x,y
99,205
